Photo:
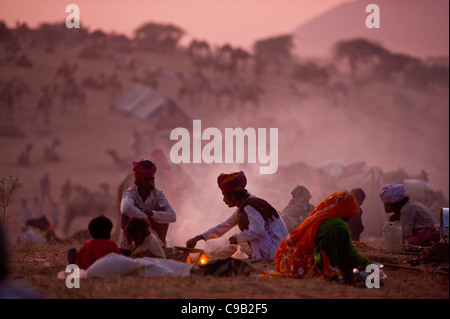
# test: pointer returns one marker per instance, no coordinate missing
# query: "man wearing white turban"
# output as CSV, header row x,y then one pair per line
x,y
417,221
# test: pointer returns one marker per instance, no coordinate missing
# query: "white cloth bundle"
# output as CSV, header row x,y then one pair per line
x,y
115,264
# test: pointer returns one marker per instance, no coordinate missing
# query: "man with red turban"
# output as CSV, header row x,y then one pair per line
x,y
321,246
143,200
259,223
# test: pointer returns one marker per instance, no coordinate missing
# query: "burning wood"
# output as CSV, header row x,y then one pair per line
x,y
201,260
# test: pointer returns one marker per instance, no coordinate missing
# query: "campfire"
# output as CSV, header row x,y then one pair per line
x,y
194,256
202,259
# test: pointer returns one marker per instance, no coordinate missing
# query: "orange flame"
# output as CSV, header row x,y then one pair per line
x,y
202,259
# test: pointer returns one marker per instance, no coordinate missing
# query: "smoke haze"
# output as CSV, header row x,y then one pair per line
x,y
377,125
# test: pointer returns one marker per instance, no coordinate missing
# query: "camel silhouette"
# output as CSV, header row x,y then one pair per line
x,y
87,203
120,162
50,154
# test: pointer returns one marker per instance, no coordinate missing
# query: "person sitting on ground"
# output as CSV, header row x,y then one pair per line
x,y
298,208
143,200
10,287
259,223
98,246
147,245
355,223
417,221
321,246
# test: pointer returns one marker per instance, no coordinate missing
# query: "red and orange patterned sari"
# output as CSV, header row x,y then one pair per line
x,y
295,256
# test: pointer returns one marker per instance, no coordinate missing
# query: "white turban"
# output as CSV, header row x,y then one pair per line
x,y
392,193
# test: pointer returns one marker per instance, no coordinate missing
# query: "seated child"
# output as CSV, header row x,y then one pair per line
x,y
98,246
147,245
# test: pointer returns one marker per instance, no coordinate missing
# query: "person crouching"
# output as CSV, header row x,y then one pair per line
x,y
259,223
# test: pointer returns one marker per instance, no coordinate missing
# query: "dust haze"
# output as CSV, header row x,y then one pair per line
x,y
339,128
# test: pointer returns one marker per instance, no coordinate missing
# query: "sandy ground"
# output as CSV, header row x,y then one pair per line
x,y
38,266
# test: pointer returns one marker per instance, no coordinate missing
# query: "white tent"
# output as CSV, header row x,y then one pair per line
x,y
145,103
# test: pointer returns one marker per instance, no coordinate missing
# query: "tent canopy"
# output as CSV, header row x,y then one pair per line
x,y
147,104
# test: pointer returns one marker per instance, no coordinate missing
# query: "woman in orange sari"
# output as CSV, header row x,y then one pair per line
x,y
321,246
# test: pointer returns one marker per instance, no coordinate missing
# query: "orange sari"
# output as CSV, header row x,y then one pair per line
x,y
295,255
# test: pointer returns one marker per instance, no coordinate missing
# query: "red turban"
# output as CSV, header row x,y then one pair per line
x,y
143,169
232,182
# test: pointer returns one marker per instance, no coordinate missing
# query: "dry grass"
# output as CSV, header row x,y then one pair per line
x,y
38,266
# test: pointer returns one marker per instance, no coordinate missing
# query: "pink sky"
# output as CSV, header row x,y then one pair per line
x,y
239,22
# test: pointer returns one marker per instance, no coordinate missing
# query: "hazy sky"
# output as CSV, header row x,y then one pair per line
x,y
240,22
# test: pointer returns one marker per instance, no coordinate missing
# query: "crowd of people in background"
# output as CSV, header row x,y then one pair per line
x,y
46,205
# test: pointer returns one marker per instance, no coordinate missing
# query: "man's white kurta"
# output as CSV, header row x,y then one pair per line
x,y
263,236
132,206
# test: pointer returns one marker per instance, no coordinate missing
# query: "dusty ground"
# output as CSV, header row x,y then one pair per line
x,y
38,265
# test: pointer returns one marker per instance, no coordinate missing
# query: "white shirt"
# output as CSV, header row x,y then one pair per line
x,y
25,214
415,215
132,206
264,237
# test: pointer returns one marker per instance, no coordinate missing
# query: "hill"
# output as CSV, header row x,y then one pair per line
x,y
416,27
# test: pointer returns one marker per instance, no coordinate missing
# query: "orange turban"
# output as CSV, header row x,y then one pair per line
x,y
232,182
